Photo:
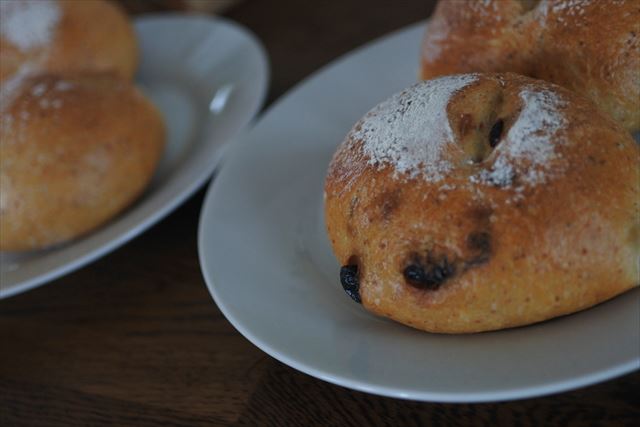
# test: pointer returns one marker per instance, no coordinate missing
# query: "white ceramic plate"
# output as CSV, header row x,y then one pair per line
x,y
269,266
209,78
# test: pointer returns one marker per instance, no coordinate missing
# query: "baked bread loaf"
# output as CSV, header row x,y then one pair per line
x,y
478,202
74,151
65,35
591,47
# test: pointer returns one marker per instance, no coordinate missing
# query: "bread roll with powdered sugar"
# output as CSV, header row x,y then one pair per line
x,y
74,151
478,202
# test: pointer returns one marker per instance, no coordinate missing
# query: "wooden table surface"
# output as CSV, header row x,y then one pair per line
x,y
135,338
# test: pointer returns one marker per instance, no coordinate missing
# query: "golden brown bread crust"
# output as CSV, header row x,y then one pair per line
x,y
475,249
591,47
74,151
87,35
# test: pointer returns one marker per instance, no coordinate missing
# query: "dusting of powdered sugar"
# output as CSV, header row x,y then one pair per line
x,y
540,119
46,93
570,7
564,9
482,13
530,142
484,7
501,174
29,24
410,130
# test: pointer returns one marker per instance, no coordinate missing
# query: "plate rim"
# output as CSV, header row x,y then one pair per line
x,y
146,222
517,393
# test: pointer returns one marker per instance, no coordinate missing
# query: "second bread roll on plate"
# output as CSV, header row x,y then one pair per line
x,y
74,152
65,35
590,47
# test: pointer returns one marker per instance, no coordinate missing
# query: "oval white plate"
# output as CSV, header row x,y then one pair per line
x,y
209,78
269,266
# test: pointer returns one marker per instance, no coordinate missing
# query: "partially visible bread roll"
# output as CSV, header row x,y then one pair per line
x,y
591,47
74,151
65,35
478,202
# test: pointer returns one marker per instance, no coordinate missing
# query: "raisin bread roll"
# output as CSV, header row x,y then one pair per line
x,y
65,35
74,152
478,202
591,47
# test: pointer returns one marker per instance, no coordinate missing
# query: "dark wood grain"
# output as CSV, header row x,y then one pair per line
x,y
135,339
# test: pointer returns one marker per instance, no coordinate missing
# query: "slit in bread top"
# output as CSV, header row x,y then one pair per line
x,y
529,138
411,132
